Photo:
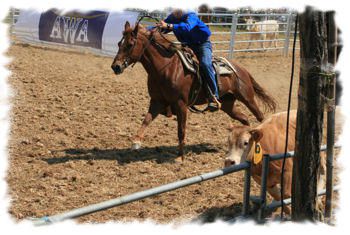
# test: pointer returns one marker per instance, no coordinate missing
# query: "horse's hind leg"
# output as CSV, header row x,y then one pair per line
x,y
253,107
229,108
154,109
181,112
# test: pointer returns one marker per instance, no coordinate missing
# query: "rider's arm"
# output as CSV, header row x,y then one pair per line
x,y
170,24
188,25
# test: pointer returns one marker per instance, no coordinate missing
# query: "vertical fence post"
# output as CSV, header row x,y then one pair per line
x,y
265,170
246,192
332,59
287,35
12,19
233,34
330,150
309,131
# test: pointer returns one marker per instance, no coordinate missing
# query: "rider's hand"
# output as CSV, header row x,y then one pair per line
x,y
162,24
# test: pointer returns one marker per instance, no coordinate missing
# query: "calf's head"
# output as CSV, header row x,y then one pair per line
x,y
250,24
240,141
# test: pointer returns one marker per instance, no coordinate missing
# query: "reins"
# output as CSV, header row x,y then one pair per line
x,y
159,29
150,39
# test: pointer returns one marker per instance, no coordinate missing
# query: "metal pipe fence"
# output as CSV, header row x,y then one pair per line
x,y
151,192
235,34
265,169
275,204
12,18
246,166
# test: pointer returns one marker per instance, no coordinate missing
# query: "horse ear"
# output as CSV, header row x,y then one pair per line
x,y
136,29
127,25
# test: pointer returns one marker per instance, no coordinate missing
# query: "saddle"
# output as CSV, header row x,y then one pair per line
x,y
221,65
189,60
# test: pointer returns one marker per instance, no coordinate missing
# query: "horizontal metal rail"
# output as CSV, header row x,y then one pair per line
x,y
275,157
220,51
139,195
220,33
242,14
260,49
216,14
267,32
279,23
220,42
276,204
263,14
219,24
275,40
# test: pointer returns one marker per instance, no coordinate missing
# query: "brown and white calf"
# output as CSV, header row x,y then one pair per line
x,y
270,134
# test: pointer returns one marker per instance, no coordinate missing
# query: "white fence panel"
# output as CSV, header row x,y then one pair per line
x,y
229,31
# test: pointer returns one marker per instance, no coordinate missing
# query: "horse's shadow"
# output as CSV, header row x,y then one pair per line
x,y
160,154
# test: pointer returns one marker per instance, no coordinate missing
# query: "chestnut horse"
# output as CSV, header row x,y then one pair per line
x,y
169,83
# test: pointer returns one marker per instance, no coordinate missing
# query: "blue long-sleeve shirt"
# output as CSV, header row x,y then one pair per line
x,y
189,29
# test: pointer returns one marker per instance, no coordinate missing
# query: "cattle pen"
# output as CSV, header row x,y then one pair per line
x,y
231,35
246,166
59,150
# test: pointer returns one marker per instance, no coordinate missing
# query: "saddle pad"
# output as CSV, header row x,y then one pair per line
x,y
223,70
223,66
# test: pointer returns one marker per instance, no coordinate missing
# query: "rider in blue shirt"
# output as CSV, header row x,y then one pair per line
x,y
191,31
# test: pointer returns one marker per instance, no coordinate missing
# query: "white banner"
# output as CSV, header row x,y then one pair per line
x,y
97,31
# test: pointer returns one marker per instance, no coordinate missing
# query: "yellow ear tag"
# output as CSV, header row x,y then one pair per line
x,y
258,153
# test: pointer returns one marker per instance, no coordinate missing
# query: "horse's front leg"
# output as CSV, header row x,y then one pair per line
x,y
153,111
181,126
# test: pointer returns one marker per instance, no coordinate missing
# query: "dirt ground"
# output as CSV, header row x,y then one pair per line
x,y
72,123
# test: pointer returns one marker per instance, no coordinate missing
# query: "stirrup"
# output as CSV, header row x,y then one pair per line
x,y
218,103
214,105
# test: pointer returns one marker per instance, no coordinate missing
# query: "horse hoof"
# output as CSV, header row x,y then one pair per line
x,y
180,156
179,159
136,145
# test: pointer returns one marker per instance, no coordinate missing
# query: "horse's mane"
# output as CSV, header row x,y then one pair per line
x,y
158,37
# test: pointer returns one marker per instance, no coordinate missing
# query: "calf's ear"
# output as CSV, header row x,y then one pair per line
x,y
256,134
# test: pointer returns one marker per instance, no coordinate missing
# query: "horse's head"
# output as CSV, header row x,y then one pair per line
x,y
131,48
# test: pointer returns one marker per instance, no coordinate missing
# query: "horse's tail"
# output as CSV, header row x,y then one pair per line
x,y
268,101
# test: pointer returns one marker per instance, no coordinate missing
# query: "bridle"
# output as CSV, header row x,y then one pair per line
x,y
135,32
